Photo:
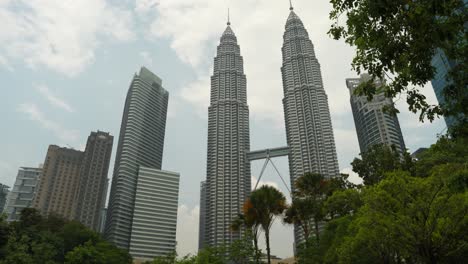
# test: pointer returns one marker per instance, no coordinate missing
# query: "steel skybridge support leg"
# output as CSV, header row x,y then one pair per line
x,y
282,179
261,173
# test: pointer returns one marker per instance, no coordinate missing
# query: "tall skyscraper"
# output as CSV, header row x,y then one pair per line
x,y
22,194
202,218
4,190
442,66
155,214
373,124
58,182
92,188
141,143
308,124
228,170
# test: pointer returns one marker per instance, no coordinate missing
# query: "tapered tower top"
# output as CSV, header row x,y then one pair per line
x,y
229,19
290,5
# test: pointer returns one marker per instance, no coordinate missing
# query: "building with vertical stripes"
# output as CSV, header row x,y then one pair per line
x,y
308,124
58,183
202,216
373,124
92,188
228,170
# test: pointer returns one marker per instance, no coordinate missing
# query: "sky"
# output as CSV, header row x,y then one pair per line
x,y
65,68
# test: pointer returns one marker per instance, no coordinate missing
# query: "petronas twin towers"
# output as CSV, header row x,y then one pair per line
x,y
308,128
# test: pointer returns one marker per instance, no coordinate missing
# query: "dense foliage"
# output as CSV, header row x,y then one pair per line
x,y
397,39
417,213
35,239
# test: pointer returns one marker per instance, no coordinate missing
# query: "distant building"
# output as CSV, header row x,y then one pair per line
x,y
102,220
73,184
373,124
4,189
417,154
22,194
57,187
136,172
202,219
92,188
154,222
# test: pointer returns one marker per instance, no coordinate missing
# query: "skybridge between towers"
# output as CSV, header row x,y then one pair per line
x,y
267,155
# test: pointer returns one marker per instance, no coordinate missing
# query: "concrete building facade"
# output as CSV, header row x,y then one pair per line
x,y
155,214
57,187
92,188
308,124
228,170
22,194
373,124
141,142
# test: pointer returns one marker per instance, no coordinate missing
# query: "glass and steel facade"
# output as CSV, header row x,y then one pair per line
x,y
373,124
141,143
22,194
155,214
202,217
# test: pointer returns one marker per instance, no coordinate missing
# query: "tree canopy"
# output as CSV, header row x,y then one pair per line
x,y
397,39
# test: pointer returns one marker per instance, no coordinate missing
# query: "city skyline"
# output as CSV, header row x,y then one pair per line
x,y
46,105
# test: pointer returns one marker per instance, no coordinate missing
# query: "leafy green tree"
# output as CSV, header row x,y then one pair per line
x,y
212,255
343,202
378,160
4,232
411,220
241,251
397,39
268,203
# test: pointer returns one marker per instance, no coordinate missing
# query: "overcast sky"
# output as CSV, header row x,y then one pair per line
x,y
65,67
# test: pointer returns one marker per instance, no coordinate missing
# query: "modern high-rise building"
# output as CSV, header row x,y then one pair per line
x,y
56,190
228,170
22,194
442,66
308,124
92,188
155,214
373,124
4,190
202,217
141,143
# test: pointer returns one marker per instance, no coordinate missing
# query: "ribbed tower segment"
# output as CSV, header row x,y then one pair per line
x,y
228,171
308,123
141,144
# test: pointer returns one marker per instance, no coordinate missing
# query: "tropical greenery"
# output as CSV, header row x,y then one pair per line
x,y
36,239
397,40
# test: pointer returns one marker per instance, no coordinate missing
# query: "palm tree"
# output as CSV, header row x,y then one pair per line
x,y
309,195
248,220
267,203
301,213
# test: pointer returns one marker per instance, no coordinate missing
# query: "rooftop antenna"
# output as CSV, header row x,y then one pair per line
x,y
229,19
290,5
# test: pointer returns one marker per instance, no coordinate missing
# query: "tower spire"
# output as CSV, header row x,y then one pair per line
x,y
229,19
290,5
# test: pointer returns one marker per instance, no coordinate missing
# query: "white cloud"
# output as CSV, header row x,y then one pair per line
x,y
35,114
53,99
61,35
262,183
147,59
353,177
187,229
194,29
